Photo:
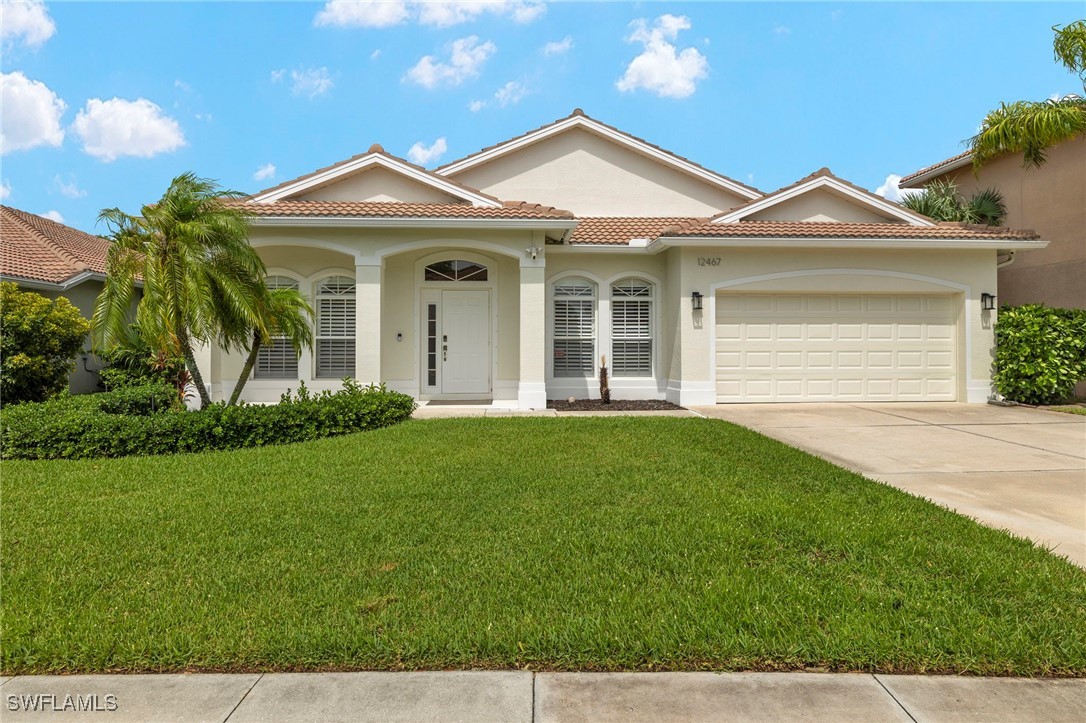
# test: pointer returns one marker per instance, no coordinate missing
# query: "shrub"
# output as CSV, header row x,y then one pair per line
x,y
1040,353
39,339
70,428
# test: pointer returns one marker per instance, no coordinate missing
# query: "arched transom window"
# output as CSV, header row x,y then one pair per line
x,y
335,304
456,270
631,328
574,327
277,360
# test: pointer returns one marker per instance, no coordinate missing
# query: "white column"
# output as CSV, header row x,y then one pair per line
x,y
532,387
367,356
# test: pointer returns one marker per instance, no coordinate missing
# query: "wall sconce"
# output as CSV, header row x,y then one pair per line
x,y
987,301
532,251
695,300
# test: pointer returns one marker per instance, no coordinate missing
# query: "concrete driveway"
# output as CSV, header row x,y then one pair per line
x,y
1014,468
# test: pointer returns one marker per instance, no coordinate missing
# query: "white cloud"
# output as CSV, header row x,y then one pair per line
x,y
375,54
476,105
29,114
782,30
310,83
182,85
5,190
439,13
466,58
264,172
510,94
891,191
558,47
28,21
68,188
659,68
424,155
53,216
114,128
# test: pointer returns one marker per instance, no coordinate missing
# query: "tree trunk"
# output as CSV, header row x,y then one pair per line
x,y
194,371
246,370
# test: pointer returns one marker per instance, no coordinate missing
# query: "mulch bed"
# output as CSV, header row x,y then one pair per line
x,y
616,405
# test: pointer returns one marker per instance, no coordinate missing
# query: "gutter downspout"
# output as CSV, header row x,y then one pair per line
x,y
1008,262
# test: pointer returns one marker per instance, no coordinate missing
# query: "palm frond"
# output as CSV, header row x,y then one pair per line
x,y
1069,46
986,206
1029,128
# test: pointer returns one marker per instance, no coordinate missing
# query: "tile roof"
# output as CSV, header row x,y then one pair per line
x,y
950,163
32,247
613,230
832,229
402,209
577,112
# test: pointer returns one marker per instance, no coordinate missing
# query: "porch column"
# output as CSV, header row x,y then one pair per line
x,y
532,388
367,319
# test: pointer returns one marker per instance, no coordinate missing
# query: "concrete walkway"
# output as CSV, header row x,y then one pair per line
x,y
526,696
1014,468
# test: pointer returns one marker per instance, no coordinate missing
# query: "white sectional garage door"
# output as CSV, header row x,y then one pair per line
x,y
821,347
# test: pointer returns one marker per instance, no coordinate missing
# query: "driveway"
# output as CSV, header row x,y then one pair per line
x,y
1014,468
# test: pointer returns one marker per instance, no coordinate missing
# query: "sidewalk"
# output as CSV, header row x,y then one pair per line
x,y
526,696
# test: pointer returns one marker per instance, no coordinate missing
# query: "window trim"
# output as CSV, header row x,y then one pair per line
x,y
653,334
315,285
597,323
299,283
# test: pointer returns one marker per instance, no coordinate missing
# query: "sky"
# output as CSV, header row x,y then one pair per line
x,y
104,103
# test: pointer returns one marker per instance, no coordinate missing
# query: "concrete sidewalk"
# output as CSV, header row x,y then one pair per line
x,y
526,696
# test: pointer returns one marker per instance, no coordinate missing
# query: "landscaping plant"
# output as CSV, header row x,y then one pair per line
x,y
1040,353
605,386
39,339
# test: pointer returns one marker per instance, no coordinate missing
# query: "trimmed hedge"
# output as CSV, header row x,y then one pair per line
x,y
141,421
1040,353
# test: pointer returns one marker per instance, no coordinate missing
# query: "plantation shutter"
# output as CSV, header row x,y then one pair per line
x,y
574,328
277,360
336,327
631,329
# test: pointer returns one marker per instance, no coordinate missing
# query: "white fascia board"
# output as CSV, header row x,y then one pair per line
x,y
621,138
938,171
885,206
847,243
597,249
368,161
348,222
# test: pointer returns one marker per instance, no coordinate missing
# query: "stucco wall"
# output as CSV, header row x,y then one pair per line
x,y
83,297
591,176
378,184
1051,200
820,205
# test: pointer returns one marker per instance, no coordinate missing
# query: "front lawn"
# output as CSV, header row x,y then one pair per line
x,y
587,543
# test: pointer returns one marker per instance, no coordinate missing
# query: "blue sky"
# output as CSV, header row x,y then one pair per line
x,y
105,103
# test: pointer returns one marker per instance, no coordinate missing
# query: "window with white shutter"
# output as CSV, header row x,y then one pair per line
x,y
631,328
277,360
335,306
574,328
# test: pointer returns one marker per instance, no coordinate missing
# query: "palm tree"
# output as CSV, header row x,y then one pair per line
x,y
941,201
283,313
1032,127
200,275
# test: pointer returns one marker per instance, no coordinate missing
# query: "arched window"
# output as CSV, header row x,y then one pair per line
x,y
631,328
277,360
335,302
457,270
574,327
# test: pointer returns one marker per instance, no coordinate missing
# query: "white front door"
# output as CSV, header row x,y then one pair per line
x,y
465,342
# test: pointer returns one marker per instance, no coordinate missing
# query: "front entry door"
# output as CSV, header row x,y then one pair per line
x,y
465,342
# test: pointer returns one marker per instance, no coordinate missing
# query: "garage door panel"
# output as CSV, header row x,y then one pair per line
x,y
819,347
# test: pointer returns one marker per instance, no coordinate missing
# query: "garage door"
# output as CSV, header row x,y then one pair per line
x,y
813,348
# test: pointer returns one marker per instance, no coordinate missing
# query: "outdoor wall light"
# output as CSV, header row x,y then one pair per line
x,y
532,251
987,301
695,300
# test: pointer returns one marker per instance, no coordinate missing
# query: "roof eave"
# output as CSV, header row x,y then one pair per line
x,y
865,243
416,222
921,177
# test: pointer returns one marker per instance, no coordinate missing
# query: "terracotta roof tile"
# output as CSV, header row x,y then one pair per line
x,y
401,209
32,247
952,161
828,229
613,230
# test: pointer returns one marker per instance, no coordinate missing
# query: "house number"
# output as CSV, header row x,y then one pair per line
x,y
708,261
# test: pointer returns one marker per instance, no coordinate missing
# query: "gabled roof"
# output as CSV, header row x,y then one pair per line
x,y
937,169
38,249
621,230
401,210
940,231
823,178
375,157
578,119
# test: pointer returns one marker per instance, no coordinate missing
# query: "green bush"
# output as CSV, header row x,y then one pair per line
x,y
1040,353
128,422
39,339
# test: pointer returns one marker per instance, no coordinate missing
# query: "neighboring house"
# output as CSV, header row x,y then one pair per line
x,y
55,260
1051,200
505,276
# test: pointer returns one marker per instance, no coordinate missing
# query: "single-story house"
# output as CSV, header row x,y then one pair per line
x,y
509,275
54,260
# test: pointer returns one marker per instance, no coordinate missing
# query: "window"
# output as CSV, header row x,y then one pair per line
x,y
574,328
277,360
631,328
335,327
455,271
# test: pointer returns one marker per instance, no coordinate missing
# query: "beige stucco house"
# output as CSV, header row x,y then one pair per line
x,y
504,277
1051,200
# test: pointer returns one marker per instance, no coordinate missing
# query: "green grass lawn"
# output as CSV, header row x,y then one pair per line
x,y
1068,409
587,543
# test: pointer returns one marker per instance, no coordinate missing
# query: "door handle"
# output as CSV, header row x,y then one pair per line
x,y
444,352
